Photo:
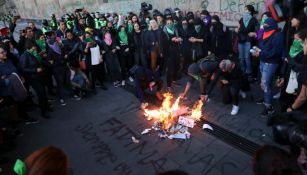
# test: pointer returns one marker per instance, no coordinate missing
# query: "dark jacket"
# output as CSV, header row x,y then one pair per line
x,y
6,69
185,45
243,31
152,37
29,65
138,41
272,48
220,42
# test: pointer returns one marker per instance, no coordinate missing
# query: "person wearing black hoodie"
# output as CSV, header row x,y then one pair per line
x,y
270,53
220,42
185,31
197,40
138,46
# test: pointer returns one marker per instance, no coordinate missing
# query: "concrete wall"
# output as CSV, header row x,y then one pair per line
x,y
229,10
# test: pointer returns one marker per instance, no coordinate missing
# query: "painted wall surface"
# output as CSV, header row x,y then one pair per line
x,y
229,10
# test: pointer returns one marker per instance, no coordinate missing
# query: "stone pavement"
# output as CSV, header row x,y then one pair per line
x,y
96,135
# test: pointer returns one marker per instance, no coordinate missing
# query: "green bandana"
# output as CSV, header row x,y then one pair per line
x,y
296,48
197,28
88,40
36,55
130,28
103,23
170,29
20,167
262,21
123,37
70,24
41,44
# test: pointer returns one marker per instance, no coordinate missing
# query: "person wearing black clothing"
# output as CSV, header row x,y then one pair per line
x,y
171,52
125,59
71,48
206,19
184,32
57,63
111,59
139,49
34,28
246,31
220,42
143,79
95,65
61,32
32,69
26,34
197,40
231,79
202,71
154,44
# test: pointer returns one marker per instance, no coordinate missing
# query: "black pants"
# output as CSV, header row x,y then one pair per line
x,y
61,77
97,72
172,66
126,64
39,88
140,58
231,93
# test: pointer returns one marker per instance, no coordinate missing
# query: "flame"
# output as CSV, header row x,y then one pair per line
x,y
196,111
168,113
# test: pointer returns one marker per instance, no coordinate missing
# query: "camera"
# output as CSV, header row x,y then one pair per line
x,y
289,129
145,6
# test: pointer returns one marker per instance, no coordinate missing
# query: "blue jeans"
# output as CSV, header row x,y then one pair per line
x,y
78,79
244,56
267,73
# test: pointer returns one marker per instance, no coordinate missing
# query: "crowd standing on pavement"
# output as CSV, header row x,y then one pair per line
x,y
73,55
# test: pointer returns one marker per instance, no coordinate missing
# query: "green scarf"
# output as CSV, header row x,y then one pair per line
x,y
41,44
296,48
88,40
197,28
170,29
20,167
130,28
262,21
103,23
123,37
36,55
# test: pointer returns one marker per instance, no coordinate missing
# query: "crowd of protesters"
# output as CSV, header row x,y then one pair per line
x,y
74,55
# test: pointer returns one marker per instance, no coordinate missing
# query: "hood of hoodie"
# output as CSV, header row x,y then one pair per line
x,y
271,24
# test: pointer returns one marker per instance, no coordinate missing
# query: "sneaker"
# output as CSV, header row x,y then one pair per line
x,y
116,84
276,96
131,79
267,111
62,102
243,94
30,120
123,83
76,97
235,110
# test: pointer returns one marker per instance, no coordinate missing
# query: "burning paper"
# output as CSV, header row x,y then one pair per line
x,y
188,122
173,119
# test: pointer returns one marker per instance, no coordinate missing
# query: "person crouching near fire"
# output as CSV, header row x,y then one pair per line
x,y
145,78
203,72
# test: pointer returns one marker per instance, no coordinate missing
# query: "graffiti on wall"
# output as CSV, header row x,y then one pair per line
x,y
230,11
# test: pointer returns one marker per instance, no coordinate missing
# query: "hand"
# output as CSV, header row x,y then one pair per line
x,y
66,56
252,34
144,105
192,40
224,81
151,85
103,52
117,47
305,47
204,98
127,50
114,50
174,39
51,61
280,82
39,70
161,55
1,100
289,110
183,96
88,45
179,39
237,30
257,54
100,60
